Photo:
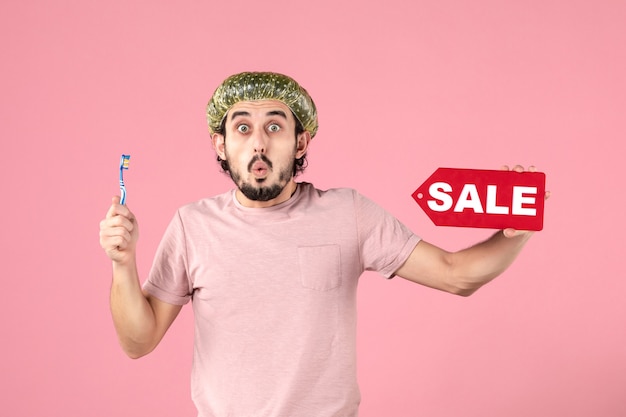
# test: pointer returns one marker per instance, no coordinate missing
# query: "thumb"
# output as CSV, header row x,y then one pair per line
x,y
510,232
118,209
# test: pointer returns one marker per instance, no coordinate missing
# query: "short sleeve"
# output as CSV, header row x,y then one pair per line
x,y
169,279
385,243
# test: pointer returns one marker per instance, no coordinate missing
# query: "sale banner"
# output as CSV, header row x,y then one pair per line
x,y
483,198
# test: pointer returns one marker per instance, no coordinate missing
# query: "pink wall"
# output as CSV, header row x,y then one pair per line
x,y
402,87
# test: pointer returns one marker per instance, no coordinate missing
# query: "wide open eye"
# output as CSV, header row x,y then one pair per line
x,y
273,128
243,128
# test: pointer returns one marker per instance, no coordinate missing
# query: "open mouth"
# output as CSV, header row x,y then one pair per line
x,y
259,169
260,166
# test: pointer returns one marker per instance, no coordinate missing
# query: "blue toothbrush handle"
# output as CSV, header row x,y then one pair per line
x,y
122,193
123,165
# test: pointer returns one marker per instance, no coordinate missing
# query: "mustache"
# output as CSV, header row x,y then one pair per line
x,y
260,157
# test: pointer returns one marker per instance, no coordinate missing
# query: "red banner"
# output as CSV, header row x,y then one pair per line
x,y
483,198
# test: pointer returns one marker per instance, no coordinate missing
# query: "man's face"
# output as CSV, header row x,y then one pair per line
x,y
260,147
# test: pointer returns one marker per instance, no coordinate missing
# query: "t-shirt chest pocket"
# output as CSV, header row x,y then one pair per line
x,y
320,267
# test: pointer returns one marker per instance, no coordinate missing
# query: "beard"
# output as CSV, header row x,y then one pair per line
x,y
257,191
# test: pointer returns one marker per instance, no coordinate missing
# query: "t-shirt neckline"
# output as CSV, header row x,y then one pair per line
x,y
263,210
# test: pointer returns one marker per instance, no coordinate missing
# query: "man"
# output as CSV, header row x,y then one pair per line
x,y
272,267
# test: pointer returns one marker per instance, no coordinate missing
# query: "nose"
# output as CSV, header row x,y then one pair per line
x,y
259,141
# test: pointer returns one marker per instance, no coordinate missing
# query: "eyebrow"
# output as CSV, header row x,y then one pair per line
x,y
269,113
277,113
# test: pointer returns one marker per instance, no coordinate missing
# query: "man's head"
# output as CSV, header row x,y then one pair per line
x,y
261,124
254,86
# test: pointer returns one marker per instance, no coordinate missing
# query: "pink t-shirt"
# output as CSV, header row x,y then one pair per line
x,y
274,297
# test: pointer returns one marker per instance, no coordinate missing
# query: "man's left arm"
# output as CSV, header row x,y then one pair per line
x,y
467,270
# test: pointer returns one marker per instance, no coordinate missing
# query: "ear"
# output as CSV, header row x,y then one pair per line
x,y
302,143
218,145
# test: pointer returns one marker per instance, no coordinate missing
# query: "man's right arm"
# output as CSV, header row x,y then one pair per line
x,y
140,319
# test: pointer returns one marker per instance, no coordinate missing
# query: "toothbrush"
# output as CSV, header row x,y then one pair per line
x,y
124,160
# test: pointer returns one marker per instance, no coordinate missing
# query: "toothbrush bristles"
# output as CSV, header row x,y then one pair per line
x,y
125,161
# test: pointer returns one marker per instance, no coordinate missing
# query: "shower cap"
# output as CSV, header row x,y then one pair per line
x,y
251,86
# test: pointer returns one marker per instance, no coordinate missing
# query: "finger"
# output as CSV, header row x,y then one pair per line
x,y
114,238
117,221
547,195
505,168
115,243
114,231
118,243
518,168
532,168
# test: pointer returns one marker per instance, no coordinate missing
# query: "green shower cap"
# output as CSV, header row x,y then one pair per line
x,y
251,86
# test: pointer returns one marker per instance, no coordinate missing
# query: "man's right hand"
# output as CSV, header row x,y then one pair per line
x,y
119,233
